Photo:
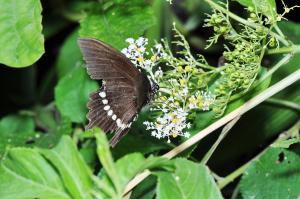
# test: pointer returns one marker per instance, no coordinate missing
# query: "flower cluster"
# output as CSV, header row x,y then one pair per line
x,y
169,124
180,92
138,55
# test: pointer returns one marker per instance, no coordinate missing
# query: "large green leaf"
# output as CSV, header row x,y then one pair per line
x,y
134,163
21,41
69,55
75,174
15,130
24,173
72,94
59,173
275,175
125,19
53,127
189,181
118,174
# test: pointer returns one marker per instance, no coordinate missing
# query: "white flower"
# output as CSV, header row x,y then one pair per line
x,y
130,40
158,46
171,123
208,100
138,55
187,134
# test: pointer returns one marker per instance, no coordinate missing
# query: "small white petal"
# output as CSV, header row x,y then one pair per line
x,y
102,94
105,101
114,117
106,108
129,40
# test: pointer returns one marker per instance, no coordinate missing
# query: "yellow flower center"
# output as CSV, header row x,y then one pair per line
x,y
175,121
140,59
153,58
174,134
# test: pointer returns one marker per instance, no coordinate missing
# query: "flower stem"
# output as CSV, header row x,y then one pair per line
x,y
284,103
223,134
289,49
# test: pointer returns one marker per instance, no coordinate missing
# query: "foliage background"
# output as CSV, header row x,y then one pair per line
x,y
47,99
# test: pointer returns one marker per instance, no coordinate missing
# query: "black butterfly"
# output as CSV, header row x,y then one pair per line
x,y
125,90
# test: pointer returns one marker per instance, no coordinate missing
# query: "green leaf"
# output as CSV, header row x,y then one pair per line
x,y
145,189
24,173
15,130
118,23
274,175
75,174
135,163
118,174
267,7
21,41
106,160
190,180
59,173
69,55
72,94
53,127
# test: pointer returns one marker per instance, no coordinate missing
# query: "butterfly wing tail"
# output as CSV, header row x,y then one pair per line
x,y
117,137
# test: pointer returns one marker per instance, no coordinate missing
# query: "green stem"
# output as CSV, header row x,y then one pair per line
x,y
244,21
289,49
232,176
223,134
284,103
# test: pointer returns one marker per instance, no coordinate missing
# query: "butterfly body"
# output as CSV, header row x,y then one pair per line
x,y
125,90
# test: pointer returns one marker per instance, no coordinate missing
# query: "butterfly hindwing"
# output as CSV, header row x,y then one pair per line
x,y
122,94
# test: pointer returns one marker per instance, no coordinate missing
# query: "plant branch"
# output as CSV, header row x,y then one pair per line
x,y
292,78
244,21
284,103
223,134
289,49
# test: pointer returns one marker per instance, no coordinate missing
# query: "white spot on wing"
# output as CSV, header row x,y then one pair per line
x,y
106,108
102,94
110,112
119,122
105,101
114,117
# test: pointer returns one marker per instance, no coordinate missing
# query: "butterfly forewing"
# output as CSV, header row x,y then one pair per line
x,y
123,91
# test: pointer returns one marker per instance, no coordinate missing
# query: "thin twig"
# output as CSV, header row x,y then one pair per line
x,y
292,78
223,134
284,103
